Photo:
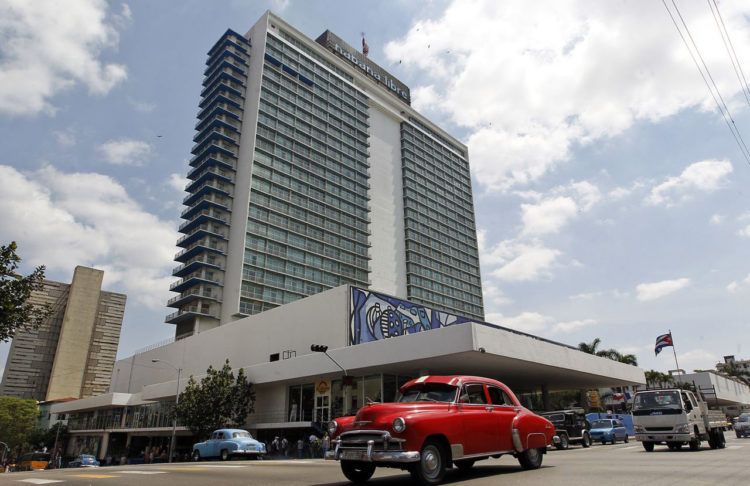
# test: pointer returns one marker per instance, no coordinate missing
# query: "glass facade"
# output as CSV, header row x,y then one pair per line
x,y
307,229
442,257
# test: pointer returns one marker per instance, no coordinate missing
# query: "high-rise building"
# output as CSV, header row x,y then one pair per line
x,y
72,353
311,170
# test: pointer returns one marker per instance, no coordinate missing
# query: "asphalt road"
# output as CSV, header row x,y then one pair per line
x,y
621,464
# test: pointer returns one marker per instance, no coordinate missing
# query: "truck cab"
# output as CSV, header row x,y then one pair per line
x,y
675,417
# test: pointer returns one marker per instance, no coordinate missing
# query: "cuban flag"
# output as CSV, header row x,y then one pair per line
x,y
662,342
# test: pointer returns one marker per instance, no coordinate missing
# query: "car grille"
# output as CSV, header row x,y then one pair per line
x,y
659,429
360,439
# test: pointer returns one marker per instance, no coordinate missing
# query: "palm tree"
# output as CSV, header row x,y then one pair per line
x,y
590,348
654,378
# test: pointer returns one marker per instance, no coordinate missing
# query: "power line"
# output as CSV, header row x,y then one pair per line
x,y
727,43
725,114
731,45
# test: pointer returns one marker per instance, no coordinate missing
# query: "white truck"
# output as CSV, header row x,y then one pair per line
x,y
676,417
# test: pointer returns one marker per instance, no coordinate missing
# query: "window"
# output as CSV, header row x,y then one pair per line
x,y
499,397
473,394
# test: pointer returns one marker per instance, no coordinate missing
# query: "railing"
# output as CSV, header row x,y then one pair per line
x,y
155,345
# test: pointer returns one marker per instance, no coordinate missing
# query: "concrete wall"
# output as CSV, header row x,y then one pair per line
x,y
320,319
727,390
388,264
242,194
77,331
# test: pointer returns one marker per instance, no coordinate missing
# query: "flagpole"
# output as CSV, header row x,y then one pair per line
x,y
674,351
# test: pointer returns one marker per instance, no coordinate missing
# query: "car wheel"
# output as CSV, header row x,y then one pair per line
x,y
674,446
196,456
626,438
530,459
648,446
224,455
721,440
464,465
586,440
564,441
357,472
739,436
432,463
695,444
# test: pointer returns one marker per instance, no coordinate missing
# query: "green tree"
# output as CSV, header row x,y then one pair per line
x,y
17,421
613,354
16,312
657,378
219,400
590,348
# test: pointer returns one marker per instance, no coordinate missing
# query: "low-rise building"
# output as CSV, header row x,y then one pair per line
x,y
380,340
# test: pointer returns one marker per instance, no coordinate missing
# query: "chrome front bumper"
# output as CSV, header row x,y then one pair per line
x,y
370,454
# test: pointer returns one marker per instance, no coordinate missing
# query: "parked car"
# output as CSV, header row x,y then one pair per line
x,y
608,430
571,426
436,422
84,460
742,425
228,443
32,461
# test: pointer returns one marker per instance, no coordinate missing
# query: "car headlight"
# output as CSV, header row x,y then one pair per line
x,y
682,428
399,425
639,429
332,427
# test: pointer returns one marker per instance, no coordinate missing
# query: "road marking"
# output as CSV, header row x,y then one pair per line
x,y
217,466
142,472
94,476
630,447
40,481
735,447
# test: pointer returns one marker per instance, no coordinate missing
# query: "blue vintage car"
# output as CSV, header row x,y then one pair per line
x,y
227,443
608,430
84,460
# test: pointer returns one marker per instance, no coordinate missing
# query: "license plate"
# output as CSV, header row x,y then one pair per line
x,y
354,455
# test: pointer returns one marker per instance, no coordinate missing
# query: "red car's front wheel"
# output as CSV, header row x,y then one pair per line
x,y
357,472
432,463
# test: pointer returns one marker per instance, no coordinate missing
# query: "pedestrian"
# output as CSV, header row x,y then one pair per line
x,y
275,446
300,448
313,445
285,446
325,444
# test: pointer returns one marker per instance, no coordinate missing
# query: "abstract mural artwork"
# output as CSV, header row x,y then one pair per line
x,y
377,316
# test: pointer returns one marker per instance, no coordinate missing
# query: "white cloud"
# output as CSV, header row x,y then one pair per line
x,y
717,219
65,138
92,221
540,324
527,79
657,290
745,231
548,216
736,285
177,182
704,176
50,46
494,297
697,359
615,293
125,151
518,262
141,106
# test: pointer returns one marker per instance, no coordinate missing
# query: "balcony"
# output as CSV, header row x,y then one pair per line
x,y
197,249
206,188
219,120
211,158
205,216
228,73
231,39
199,233
193,265
191,295
222,108
226,55
222,143
193,280
230,136
233,87
206,202
187,314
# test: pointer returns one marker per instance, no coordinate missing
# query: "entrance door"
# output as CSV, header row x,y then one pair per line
x,y
322,408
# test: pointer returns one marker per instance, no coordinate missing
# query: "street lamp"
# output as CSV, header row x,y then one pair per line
x,y
176,402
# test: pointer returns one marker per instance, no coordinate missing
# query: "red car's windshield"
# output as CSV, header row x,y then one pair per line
x,y
428,392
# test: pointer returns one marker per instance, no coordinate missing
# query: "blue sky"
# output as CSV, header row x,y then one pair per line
x,y
611,199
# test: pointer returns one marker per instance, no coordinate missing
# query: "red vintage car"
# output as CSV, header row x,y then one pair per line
x,y
437,421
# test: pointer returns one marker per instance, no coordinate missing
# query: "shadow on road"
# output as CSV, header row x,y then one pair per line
x,y
452,476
